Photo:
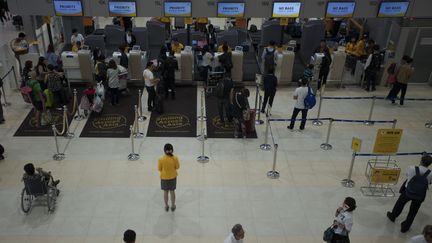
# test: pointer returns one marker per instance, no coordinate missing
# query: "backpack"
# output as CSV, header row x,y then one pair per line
x,y
253,28
375,62
310,100
418,185
269,58
220,89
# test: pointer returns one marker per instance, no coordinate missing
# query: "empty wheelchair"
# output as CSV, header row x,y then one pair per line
x,y
37,192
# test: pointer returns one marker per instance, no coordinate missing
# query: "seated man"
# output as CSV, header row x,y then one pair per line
x,y
35,173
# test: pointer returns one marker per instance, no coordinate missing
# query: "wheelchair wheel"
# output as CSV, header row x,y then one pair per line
x,y
51,199
26,201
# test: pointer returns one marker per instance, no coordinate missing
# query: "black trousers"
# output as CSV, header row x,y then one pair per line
x,y
268,97
399,206
114,93
340,239
294,117
398,87
224,105
322,77
151,97
60,98
169,84
370,79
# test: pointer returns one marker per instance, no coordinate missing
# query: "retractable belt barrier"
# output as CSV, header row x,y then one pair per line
x,y
369,98
12,69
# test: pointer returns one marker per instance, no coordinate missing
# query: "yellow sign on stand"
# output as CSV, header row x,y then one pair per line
x,y
356,144
387,141
385,175
283,21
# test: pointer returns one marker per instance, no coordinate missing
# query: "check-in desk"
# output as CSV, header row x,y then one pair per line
x,y
284,66
237,60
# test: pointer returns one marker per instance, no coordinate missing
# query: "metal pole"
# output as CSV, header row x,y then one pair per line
x,y
132,156
15,78
202,117
266,146
57,156
78,116
4,97
256,96
259,121
67,134
273,174
428,124
369,121
317,122
141,117
326,145
394,123
203,158
137,133
348,182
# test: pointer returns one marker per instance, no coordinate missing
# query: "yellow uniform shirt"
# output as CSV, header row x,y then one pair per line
x,y
177,48
360,48
220,49
165,20
75,48
350,48
168,166
202,20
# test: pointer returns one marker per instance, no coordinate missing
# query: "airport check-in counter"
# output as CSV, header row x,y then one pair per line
x,y
337,66
237,60
185,62
284,66
137,63
71,65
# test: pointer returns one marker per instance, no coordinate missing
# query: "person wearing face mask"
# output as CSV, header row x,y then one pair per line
x,y
343,221
167,167
236,235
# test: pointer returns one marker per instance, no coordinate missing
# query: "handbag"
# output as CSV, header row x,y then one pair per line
x,y
328,234
391,79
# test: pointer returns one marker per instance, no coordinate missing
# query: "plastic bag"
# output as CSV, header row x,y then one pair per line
x,y
97,104
85,103
100,90
49,98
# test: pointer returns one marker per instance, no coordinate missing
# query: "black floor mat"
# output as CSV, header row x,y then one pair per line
x,y
113,121
179,117
250,66
298,67
216,129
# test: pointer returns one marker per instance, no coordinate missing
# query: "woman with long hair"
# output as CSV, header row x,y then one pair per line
x,y
41,71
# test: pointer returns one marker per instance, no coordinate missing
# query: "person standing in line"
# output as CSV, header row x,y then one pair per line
x,y
167,167
372,66
269,57
425,237
324,69
124,60
36,97
41,72
308,73
52,57
150,81
54,83
223,92
414,189
168,73
270,83
226,61
113,82
240,111
237,234
101,69
343,221
299,95
129,236
403,74
205,65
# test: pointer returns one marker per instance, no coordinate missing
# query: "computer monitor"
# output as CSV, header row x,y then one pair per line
x,y
286,9
122,9
230,10
178,9
340,9
393,9
68,8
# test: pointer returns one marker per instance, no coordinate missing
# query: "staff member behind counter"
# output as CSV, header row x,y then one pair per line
x,y
176,46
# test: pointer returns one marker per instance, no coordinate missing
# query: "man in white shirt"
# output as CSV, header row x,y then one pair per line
x,y
411,193
425,237
299,95
236,235
150,81
76,37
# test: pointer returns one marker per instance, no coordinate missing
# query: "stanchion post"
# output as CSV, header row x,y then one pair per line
x,y
348,182
57,156
67,134
369,121
394,123
256,96
428,124
202,116
132,156
327,145
266,146
203,158
258,121
78,116
141,117
137,133
15,78
6,103
273,174
317,122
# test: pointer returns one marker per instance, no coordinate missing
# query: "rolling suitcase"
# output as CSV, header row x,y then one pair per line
x,y
250,124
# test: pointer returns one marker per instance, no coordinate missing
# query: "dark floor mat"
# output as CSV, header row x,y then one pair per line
x,y
179,117
113,121
298,68
250,66
216,129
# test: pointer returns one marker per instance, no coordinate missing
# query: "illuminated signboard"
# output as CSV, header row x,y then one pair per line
x,y
122,9
228,10
286,9
178,9
68,8
393,9
340,9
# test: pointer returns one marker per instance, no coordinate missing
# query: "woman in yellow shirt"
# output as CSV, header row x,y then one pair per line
x,y
168,166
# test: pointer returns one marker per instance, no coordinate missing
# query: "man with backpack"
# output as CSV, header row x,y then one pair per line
x,y
301,94
170,65
372,67
226,61
269,57
223,92
413,189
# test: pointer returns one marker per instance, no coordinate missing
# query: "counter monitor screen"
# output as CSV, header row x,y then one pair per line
x,y
68,8
393,9
178,9
340,9
122,9
228,10
286,9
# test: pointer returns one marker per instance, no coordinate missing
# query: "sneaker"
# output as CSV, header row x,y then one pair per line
x,y
390,217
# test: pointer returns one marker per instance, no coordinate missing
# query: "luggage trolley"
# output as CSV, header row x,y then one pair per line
x,y
213,77
381,175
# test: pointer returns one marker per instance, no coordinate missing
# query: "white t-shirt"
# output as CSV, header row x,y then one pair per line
x,y
148,76
410,173
417,239
79,38
207,59
113,79
232,239
301,93
345,222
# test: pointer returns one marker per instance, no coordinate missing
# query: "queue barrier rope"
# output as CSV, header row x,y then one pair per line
x,y
369,98
395,154
334,120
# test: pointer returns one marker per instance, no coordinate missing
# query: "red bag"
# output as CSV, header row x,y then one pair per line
x,y
391,79
26,94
